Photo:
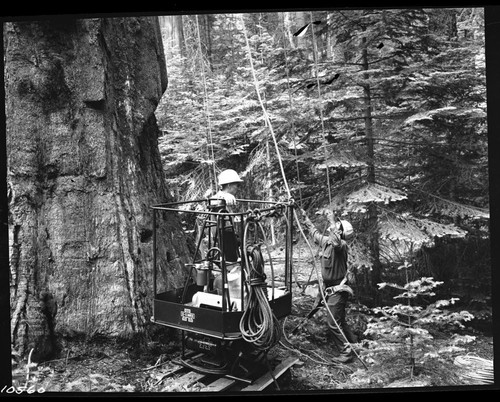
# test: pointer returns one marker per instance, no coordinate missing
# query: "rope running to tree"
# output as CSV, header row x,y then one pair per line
x,y
266,116
207,111
315,53
268,122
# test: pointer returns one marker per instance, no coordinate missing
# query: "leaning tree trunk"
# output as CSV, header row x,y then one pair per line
x,y
83,170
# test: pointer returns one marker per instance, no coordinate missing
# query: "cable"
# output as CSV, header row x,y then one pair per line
x,y
205,370
290,101
324,298
315,53
480,370
264,112
207,111
258,324
324,359
268,122
312,270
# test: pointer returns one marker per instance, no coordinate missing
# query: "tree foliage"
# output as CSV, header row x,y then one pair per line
x,y
404,329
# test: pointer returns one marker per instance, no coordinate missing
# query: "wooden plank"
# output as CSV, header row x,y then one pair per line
x,y
264,381
183,383
191,377
221,384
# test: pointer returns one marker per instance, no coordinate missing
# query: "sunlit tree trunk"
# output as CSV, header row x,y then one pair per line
x,y
206,22
173,34
287,23
299,19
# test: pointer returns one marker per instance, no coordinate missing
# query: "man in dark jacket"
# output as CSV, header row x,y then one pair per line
x,y
333,256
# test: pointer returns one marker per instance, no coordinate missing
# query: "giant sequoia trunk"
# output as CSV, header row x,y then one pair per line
x,y
83,170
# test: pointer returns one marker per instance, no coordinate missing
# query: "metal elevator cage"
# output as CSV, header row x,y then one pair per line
x,y
226,250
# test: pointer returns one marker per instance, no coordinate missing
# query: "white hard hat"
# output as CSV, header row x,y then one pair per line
x,y
346,227
229,176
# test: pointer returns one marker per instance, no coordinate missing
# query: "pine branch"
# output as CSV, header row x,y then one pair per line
x,y
394,319
373,192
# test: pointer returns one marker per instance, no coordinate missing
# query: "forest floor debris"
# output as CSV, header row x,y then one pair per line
x,y
118,366
106,366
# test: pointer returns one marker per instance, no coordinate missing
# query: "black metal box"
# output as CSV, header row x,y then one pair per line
x,y
170,311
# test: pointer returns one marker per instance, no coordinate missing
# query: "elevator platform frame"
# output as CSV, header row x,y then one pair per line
x,y
171,307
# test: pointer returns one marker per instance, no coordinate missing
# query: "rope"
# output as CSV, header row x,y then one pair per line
x,y
207,112
292,122
324,298
258,324
266,116
479,369
315,54
312,269
249,319
293,348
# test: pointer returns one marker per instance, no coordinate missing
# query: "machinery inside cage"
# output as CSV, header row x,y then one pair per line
x,y
228,309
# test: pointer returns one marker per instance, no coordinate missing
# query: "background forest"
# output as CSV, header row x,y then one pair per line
x,y
378,115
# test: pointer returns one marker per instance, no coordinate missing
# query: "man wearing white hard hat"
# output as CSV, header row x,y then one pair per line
x,y
228,182
334,253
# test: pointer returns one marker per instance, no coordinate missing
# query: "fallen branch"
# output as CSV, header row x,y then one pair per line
x,y
147,368
64,358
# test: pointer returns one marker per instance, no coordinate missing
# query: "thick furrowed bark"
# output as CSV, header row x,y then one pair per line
x,y
84,168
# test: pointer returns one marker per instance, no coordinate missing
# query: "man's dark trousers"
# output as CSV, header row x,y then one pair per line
x,y
337,305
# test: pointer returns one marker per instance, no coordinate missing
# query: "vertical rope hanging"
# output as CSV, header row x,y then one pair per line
x,y
266,116
315,57
207,111
292,122
329,193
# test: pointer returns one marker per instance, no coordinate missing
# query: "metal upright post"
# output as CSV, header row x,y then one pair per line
x,y
289,239
242,261
154,254
225,287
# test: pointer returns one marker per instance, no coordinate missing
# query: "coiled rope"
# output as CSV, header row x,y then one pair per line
x,y
258,324
477,369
